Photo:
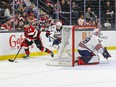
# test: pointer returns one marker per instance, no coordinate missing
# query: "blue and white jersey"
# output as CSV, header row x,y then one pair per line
x,y
92,43
55,32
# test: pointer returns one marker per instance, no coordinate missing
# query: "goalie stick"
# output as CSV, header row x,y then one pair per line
x,y
12,60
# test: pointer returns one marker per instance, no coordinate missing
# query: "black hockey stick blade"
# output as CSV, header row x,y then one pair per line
x,y
10,60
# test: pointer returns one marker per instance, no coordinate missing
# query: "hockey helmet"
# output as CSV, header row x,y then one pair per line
x,y
96,31
59,24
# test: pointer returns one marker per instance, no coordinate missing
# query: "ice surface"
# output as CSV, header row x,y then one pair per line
x,y
35,73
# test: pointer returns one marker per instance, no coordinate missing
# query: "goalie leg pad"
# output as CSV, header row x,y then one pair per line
x,y
80,61
94,60
85,55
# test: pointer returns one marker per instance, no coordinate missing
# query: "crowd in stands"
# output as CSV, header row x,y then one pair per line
x,y
22,11
58,9
61,9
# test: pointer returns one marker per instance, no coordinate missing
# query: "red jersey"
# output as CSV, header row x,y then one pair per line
x,y
31,33
6,26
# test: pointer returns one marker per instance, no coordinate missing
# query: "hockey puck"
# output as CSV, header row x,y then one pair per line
x,y
15,61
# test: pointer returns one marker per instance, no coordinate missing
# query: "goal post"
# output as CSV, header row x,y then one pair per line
x,y
71,36
84,30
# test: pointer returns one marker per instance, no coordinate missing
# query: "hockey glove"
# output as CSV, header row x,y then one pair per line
x,y
47,33
106,53
24,43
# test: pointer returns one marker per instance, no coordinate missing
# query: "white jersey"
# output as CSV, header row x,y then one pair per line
x,y
55,33
93,43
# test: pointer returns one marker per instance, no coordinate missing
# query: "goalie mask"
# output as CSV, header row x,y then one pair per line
x,y
96,32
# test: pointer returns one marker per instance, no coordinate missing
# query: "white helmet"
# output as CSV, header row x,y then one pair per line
x,y
59,24
96,31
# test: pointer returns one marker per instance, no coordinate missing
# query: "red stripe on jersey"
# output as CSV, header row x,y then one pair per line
x,y
98,46
82,45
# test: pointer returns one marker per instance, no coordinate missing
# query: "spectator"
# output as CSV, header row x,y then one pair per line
x,y
57,10
109,10
6,1
7,26
49,3
7,12
32,20
88,22
34,7
81,20
50,6
67,6
107,25
19,21
18,1
98,24
63,6
75,10
21,9
90,15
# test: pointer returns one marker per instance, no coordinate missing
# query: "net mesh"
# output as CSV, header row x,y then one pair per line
x,y
67,52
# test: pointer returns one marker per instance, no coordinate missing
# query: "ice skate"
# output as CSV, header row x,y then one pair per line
x,y
26,56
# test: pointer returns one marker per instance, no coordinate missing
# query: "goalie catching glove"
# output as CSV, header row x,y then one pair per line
x,y
106,53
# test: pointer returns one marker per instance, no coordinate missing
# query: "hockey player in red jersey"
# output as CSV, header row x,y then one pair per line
x,y
89,49
33,36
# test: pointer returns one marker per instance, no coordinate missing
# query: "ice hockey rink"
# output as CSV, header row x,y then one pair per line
x,y
35,73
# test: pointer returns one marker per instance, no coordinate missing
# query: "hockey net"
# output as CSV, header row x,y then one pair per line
x,y
71,36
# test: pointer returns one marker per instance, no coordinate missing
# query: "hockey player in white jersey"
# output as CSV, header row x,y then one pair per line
x,y
89,49
55,32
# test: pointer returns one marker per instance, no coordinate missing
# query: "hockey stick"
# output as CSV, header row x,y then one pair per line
x,y
49,39
12,60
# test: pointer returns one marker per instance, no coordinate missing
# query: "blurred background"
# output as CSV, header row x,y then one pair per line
x,y
99,13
